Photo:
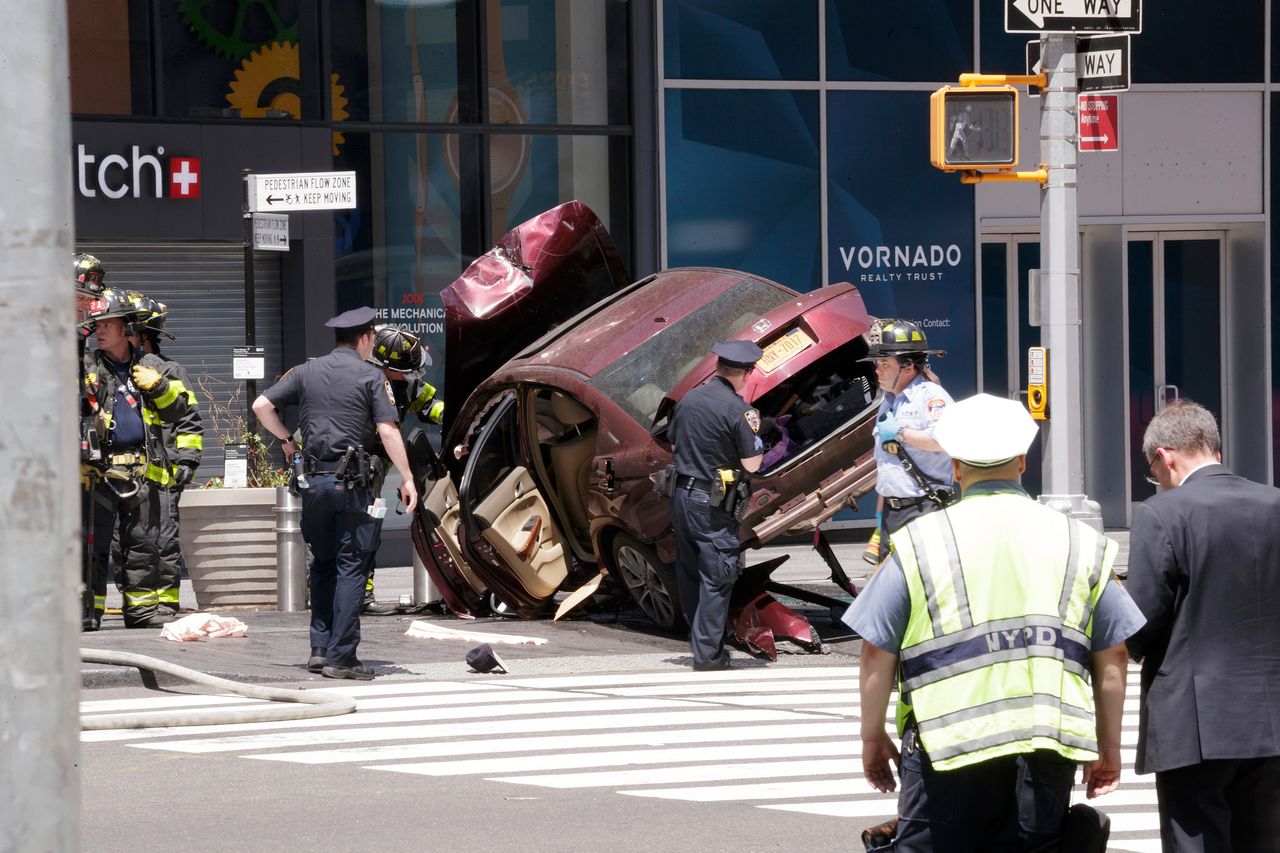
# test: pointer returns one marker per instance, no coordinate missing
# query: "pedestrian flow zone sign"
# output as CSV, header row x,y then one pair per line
x,y
1072,16
1102,63
297,191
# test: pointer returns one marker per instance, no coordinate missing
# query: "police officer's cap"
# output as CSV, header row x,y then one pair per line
x,y
355,320
740,354
985,431
484,659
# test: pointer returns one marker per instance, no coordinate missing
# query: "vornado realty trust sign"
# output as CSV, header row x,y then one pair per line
x,y
916,262
136,173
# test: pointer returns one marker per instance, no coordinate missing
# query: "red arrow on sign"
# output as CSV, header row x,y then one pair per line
x,y
1098,122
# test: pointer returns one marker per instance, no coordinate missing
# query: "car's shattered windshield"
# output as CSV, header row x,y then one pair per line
x,y
640,379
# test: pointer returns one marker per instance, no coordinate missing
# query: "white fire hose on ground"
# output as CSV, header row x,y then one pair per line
x,y
304,704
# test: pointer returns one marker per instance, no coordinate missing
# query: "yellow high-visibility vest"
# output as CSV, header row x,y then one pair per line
x,y
996,659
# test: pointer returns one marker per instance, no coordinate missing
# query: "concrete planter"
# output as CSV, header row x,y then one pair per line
x,y
229,542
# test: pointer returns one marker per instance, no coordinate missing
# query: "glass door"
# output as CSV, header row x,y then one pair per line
x,y
1175,314
1007,261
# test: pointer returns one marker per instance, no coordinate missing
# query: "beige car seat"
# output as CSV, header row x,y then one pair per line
x,y
571,457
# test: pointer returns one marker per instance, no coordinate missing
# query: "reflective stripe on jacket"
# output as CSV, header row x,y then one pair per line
x,y
997,653
98,388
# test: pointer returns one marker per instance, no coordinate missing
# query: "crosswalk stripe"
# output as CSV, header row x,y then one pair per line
x,y
555,743
767,791
485,728
1135,821
847,685
755,674
669,775
880,809
628,757
1135,845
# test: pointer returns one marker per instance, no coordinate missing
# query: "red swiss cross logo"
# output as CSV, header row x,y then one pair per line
x,y
184,177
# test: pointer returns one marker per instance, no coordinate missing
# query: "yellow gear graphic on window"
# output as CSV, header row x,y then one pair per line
x,y
269,80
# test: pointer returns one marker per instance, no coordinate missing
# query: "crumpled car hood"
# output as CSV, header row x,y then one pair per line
x,y
540,274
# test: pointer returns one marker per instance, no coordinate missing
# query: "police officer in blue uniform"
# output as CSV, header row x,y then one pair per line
x,y
343,402
912,404
715,437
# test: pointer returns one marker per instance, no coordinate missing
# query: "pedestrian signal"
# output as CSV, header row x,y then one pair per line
x,y
973,128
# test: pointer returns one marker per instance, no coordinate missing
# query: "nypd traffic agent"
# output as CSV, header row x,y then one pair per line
x,y
912,404
716,441
343,401
994,615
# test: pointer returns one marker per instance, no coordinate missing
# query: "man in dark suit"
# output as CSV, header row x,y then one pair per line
x,y
1204,567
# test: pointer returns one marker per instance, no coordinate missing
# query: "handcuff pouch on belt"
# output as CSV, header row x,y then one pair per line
x,y
730,490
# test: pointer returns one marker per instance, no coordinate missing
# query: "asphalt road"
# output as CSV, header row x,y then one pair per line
x,y
600,738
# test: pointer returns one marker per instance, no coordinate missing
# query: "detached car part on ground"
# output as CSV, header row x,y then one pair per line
x,y
560,380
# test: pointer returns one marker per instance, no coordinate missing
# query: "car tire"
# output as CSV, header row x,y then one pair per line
x,y
650,582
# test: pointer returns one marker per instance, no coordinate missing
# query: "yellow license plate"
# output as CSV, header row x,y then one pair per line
x,y
781,350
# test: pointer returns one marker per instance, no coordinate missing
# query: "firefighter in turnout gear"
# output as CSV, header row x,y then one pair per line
x,y
402,358
913,474
184,443
128,397
998,620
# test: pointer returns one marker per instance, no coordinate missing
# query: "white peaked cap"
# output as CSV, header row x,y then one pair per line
x,y
983,430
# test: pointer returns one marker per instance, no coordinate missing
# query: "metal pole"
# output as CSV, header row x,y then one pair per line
x,y
1060,285
39,492
424,591
250,309
291,553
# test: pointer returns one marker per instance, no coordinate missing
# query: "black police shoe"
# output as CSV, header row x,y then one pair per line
x,y
375,608
356,671
716,665
315,663
90,623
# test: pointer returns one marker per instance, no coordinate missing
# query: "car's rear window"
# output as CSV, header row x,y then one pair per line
x,y
640,379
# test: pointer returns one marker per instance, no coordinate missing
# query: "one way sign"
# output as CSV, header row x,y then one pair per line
x,y
1073,16
1102,63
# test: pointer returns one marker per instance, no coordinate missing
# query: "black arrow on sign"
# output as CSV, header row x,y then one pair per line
x,y
272,199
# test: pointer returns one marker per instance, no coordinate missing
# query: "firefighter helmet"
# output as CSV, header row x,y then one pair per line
x,y
151,312
111,303
890,337
398,349
88,274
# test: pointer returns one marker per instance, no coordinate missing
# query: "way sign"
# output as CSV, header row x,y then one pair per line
x,y
294,191
1102,63
1099,122
1071,16
271,231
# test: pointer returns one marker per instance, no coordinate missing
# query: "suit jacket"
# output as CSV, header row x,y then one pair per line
x,y
1204,567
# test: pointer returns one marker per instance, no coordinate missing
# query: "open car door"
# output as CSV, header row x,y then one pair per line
x,y
510,536
435,527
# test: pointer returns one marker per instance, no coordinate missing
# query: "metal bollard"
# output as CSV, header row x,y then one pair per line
x,y
291,553
424,591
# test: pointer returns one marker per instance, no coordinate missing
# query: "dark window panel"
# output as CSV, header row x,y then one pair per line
x,y
917,40
743,184
1194,43
732,40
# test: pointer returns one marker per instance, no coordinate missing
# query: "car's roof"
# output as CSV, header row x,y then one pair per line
x,y
620,325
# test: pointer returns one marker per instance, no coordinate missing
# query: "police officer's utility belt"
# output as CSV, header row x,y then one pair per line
x,y
686,482
355,466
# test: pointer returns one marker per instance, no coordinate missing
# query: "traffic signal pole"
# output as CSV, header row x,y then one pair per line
x,y
39,447
1063,433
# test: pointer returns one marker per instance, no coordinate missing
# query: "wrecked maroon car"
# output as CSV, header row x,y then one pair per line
x,y
561,377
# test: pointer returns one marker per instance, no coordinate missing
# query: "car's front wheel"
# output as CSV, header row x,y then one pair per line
x,y
651,582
